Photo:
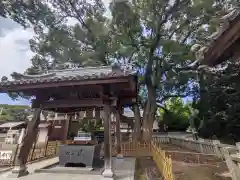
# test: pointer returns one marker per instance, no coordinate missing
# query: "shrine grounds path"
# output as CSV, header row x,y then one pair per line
x,y
124,171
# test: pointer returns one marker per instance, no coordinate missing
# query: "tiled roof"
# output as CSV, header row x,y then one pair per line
x,y
11,124
230,19
88,73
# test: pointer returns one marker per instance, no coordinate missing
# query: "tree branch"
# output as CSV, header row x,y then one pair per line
x,y
78,17
157,39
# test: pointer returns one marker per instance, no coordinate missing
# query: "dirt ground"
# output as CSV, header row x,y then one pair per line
x,y
181,170
169,147
146,165
187,171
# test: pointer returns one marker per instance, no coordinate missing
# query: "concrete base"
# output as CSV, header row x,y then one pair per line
x,y
68,170
18,171
108,173
5,170
108,178
119,156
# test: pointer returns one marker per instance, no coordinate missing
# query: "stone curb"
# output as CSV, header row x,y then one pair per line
x,y
5,170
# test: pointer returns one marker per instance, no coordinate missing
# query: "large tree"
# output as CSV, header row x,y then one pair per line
x,y
156,37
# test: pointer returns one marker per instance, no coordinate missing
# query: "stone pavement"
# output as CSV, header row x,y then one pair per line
x,y
124,170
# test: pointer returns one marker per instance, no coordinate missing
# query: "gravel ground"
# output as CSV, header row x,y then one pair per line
x,y
148,166
187,171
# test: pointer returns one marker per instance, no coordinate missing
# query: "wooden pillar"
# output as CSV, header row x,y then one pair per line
x,y
118,133
31,135
69,127
108,172
66,126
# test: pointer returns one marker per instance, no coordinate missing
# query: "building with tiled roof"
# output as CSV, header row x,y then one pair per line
x,y
223,44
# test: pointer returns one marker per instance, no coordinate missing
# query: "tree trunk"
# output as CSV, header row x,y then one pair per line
x,y
137,122
149,114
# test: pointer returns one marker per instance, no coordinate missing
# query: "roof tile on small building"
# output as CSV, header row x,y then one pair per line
x,y
88,73
11,124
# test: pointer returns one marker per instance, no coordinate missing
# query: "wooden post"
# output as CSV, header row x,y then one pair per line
x,y
66,127
108,172
69,127
33,149
118,133
20,168
45,150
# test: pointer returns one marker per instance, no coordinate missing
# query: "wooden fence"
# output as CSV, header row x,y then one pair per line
x,y
38,152
133,149
163,162
150,149
41,151
130,148
213,147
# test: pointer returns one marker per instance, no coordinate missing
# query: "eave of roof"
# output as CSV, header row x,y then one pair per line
x,y
221,49
68,75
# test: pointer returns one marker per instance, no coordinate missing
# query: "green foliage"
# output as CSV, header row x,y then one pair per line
x,y
219,101
176,114
153,35
90,125
14,112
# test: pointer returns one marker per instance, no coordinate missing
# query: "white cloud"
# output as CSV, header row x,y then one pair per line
x,y
15,53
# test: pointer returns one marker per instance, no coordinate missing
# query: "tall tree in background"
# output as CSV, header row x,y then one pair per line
x,y
14,112
154,36
176,114
220,105
85,42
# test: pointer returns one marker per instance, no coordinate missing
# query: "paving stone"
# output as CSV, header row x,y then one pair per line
x,y
124,170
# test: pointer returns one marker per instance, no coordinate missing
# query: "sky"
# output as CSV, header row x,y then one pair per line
x,y
15,53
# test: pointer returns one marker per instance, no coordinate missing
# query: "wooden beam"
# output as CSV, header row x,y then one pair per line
x,y
69,103
127,100
66,106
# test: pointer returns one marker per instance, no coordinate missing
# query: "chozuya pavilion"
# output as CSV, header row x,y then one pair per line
x,y
106,88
